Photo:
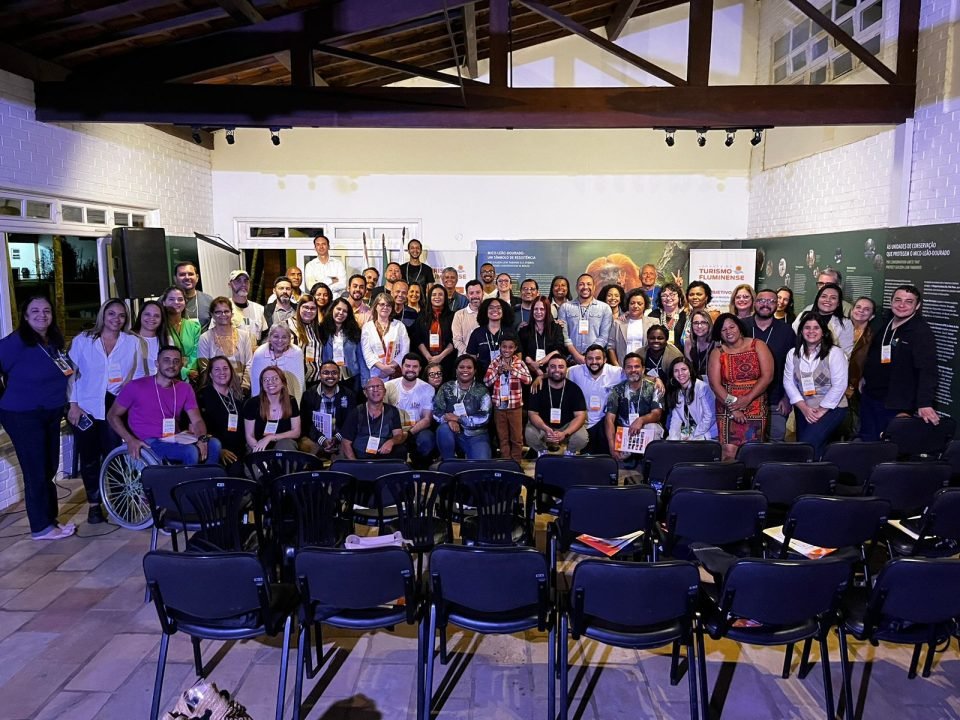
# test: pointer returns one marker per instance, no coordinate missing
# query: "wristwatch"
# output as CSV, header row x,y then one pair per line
x,y
204,438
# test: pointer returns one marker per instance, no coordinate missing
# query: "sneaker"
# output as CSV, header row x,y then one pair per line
x,y
95,515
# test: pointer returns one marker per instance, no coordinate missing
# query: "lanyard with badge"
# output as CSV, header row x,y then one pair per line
x,y
435,333
584,327
687,425
114,373
505,389
230,405
633,409
169,428
657,367
373,441
555,411
494,349
807,384
886,347
61,361
459,406
541,352
271,427
595,404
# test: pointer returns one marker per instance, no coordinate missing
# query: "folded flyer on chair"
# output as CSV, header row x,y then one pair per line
x,y
181,438
609,546
806,549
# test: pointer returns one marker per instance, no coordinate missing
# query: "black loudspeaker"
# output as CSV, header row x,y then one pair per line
x,y
140,267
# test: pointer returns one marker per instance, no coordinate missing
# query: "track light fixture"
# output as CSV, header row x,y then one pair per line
x,y
757,137
731,136
275,135
230,137
196,134
670,138
702,137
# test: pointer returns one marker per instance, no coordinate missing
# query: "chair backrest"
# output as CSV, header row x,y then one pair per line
x,y
369,471
423,499
497,498
555,473
319,502
705,476
334,579
941,518
631,595
835,522
784,482
159,480
855,460
908,486
952,455
606,511
718,517
455,466
783,592
916,590
918,439
220,506
662,455
754,454
490,581
267,465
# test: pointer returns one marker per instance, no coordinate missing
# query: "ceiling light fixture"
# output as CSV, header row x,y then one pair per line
x,y
757,137
702,137
275,135
670,138
731,136
230,136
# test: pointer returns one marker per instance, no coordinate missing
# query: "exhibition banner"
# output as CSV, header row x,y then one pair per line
x,y
723,270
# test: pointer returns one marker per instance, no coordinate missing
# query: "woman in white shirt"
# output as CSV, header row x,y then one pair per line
x,y
151,327
280,352
384,341
829,305
693,414
106,358
223,339
815,380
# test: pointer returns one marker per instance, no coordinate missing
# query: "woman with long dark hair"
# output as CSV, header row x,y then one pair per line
x,y
690,403
37,371
828,303
615,297
699,342
785,310
340,336
221,404
322,293
182,331
306,335
271,420
151,326
432,334
541,338
559,293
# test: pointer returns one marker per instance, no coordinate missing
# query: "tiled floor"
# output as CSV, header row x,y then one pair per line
x,y
78,642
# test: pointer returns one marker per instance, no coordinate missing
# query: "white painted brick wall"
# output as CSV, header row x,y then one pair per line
x,y
132,165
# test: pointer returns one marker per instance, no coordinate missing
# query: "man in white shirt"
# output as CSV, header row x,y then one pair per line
x,y
247,314
595,377
356,289
587,320
465,321
414,398
325,269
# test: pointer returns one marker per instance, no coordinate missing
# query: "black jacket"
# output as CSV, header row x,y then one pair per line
x,y
909,380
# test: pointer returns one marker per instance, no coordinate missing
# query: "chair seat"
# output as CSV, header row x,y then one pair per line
x,y
469,530
895,631
844,490
634,639
763,634
366,618
495,624
284,600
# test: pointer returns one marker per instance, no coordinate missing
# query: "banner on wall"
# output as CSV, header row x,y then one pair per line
x,y
723,270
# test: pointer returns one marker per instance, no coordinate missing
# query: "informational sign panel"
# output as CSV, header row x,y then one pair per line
x,y
723,270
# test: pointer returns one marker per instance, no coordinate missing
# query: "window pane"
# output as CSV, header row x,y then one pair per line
x,y
40,210
305,232
780,73
96,217
72,213
872,45
10,207
350,234
847,27
81,286
869,16
843,7
267,232
121,219
818,76
842,65
781,47
798,61
800,34
138,221
820,48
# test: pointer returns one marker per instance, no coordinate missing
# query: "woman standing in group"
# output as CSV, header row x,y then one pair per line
x,y
151,326
433,332
699,342
670,313
493,316
815,380
220,404
693,414
629,333
699,296
614,296
340,336
271,419
862,313
305,328
828,303
37,369
415,298
279,351
740,369
559,293
541,338
223,339
505,290
183,332
322,293
106,358
741,301
384,340
785,310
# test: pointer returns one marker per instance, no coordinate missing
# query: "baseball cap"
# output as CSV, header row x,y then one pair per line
x,y
238,273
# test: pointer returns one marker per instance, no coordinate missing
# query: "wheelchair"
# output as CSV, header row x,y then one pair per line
x,y
121,491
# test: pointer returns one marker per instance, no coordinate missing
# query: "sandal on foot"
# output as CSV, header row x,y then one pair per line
x,y
57,533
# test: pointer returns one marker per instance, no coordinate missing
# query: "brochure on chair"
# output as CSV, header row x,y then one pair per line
x,y
609,546
625,442
806,549
181,438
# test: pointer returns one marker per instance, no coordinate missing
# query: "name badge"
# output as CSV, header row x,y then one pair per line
x,y
653,373
233,420
554,416
373,446
633,417
169,427
807,384
338,352
885,354
311,354
271,427
505,387
494,356
64,366
583,327
540,355
434,341
459,409
113,374
595,404
686,432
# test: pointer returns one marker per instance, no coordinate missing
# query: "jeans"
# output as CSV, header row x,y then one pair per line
x,y
94,444
36,439
820,432
185,454
422,447
474,447
597,435
874,417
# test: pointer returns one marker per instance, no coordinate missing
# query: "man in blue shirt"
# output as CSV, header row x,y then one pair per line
x,y
587,320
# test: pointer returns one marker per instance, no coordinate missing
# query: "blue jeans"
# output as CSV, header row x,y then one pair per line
x,y
36,439
874,417
185,454
474,447
422,447
820,432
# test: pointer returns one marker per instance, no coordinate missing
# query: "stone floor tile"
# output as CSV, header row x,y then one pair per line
x,y
111,666
96,551
75,705
11,621
19,649
31,570
44,591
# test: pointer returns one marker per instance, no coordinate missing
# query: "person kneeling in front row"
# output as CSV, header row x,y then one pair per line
x,y
374,429
557,413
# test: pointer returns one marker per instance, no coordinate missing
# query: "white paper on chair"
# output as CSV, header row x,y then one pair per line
x,y
626,442
806,549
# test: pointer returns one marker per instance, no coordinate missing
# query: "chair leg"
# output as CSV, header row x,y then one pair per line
x,y
174,541
284,662
675,663
846,667
158,681
827,680
318,643
303,658
551,670
787,660
444,655
154,533
914,661
197,660
421,666
428,670
803,670
692,677
563,650
928,663
702,672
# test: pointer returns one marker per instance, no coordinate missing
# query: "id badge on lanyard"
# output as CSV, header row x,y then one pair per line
x,y
64,365
233,419
583,327
373,445
886,354
807,385
434,341
554,416
169,427
460,409
540,355
271,427
114,375
595,404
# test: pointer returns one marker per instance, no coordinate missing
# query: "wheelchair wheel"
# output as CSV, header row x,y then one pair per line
x,y
121,491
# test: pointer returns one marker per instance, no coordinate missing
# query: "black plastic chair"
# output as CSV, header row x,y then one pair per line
x,y
784,482
158,483
662,455
223,508
495,507
639,606
556,473
356,590
856,460
908,486
937,529
423,501
268,465
701,476
217,597
919,440
776,602
915,601
489,591
455,466
754,454
952,455
367,472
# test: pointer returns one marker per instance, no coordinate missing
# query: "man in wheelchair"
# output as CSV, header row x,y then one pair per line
x,y
147,414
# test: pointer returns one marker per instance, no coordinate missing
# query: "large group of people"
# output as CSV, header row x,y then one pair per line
x,y
343,366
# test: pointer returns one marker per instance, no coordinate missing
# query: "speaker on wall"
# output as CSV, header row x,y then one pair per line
x,y
140,267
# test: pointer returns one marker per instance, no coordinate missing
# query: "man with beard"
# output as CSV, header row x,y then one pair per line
x,y
186,277
587,321
391,275
465,320
488,275
414,271
247,314
529,291
414,399
595,378
324,411
631,405
780,339
282,308
557,413
356,289
372,276
455,301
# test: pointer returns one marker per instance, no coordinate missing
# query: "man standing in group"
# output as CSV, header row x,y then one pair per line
x,y
373,429
356,289
186,277
414,271
247,314
780,339
596,378
283,308
414,398
529,291
829,275
557,413
295,276
465,320
146,414
455,300
371,276
648,282
391,274
405,314
325,269
323,412
631,405
488,276
587,320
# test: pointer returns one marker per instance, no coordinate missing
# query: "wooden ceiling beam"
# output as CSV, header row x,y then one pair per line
x,y
393,65
623,11
499,39
486,106
908,35
24,64
699,38
470,60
